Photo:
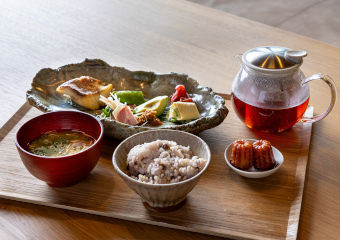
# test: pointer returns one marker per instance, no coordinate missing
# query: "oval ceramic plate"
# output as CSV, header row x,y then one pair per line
x,y
44,96
252,172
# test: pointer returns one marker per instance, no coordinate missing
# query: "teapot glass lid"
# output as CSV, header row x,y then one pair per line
x,y
273,59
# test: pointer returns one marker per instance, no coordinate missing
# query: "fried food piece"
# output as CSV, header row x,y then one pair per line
x,y
242,154
86,91
150,118
263,155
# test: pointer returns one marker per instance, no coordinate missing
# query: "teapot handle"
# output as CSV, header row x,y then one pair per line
x,y
327,79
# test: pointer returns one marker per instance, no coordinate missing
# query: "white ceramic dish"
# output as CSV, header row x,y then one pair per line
x,y
252,172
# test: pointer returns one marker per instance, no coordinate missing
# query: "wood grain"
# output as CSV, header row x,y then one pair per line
x,y
159,36
222,204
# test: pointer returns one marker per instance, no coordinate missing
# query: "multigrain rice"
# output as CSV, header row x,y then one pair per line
x,y
162,161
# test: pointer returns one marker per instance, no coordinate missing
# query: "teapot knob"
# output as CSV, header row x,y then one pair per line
x,y
295,55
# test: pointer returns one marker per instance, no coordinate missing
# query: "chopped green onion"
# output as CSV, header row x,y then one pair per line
x,y
107,111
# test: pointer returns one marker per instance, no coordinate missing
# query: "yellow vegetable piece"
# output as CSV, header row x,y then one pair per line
x,y
183,111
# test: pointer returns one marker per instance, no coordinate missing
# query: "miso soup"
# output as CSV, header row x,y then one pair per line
x,y
60,143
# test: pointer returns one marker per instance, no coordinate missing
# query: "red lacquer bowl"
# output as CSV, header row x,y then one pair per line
x,y
60,171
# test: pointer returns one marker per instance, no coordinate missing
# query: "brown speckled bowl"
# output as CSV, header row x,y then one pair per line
x,y
44,96
161,197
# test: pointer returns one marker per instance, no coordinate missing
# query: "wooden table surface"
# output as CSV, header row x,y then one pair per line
x,y
161,36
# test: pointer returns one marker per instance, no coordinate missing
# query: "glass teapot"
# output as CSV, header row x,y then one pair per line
x,y
270,93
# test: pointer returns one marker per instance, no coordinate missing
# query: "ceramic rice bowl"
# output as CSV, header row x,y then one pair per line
x,y
161,197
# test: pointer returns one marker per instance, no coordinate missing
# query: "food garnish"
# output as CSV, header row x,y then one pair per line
x,y
85,91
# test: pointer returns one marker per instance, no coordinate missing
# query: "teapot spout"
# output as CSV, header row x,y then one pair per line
x,y
239,58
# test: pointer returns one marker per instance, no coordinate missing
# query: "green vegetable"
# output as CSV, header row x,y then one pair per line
x,y
107,111
130,97
157,104
174,120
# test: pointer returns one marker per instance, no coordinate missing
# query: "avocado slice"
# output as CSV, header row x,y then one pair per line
x,y
157,104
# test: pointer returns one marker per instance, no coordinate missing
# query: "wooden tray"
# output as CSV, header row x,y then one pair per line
x,y
222,204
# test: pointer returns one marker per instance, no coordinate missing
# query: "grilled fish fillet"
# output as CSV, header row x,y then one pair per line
x,y
86,91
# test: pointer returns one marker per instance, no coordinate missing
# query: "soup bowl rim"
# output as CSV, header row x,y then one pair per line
x,y
59,157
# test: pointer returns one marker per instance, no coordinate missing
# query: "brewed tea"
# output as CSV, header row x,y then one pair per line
x,y
268,120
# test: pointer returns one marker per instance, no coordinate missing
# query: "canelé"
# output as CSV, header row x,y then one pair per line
x,y
263,155
242,154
